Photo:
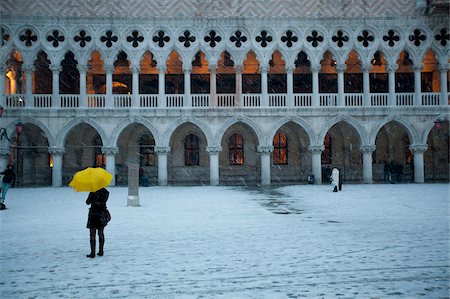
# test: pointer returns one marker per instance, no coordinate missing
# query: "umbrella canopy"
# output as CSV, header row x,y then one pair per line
x,y
90,179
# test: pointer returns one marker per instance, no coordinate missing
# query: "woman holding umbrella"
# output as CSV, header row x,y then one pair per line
x,y
94,180
98,218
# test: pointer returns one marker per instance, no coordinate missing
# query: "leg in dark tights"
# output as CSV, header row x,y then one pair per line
x,y
101,239
92,241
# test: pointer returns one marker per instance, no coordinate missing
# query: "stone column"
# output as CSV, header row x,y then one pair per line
x,y
443,68
265,151
366,85
110,153
4,155
57,154
264,69
418,85
109,69
56,69
187,87
418,150
315,85
82,69
212,85
161,86
367,151
340,69
290,85
29,69
391,73
214,152
316,155
162,152
239,69
135,101
3,71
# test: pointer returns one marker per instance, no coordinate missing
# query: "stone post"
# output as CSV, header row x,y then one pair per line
x,y
367,151
443,68
418,150
109,69
418,85
315,85
391,73
187,87
161,86
214,152
56,69
316,153
212,85
135,101
264,69
265,151
82,69
340,69
162,152
110,153
239,69
57,154
29,69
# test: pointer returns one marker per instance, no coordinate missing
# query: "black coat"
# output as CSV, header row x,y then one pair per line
x,y
8,176
98,213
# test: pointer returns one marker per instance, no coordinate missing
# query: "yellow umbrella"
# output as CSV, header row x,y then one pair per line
x,y
90,179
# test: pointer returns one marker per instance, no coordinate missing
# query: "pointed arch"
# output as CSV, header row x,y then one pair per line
x,y
62,134
362,134
295,119
130,120
195,121
409,128
240,118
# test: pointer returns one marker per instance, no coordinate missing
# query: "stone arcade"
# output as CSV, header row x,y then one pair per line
x,y
197,93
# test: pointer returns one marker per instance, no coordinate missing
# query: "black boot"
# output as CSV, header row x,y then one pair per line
x,y
335,189
92,255
101,244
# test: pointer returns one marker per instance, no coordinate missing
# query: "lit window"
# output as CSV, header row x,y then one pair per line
x,y
191,150
236,150
280,149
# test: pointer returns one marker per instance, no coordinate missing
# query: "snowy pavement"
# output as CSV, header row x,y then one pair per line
x,y
368,241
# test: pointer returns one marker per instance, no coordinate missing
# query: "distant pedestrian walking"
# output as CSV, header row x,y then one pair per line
x,y
98,218
335,179
7,181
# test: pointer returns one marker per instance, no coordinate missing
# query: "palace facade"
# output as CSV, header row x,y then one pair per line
x,y
224,92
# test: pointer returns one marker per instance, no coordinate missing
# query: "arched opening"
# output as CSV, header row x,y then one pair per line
x,y
353,77
378,76
136,145
69,77
42,75
200,76
83,148
174,74
291,160
121,79
328,85
302,74
14,77
148,76
225,80
404,75
276,76
239,164
189,161
342,150
251,76
437,156
392,159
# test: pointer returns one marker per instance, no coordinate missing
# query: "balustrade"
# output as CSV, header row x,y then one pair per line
x,y
251,100
226,100
277,100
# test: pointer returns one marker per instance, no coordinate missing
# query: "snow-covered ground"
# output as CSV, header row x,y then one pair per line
x,y
368,241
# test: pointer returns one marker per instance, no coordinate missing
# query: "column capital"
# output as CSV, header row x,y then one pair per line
x,y
110,150
264,68
366,67
316,149
214,149
54,150
392,67
239,68
367,149
55,68
82,67
161,69
109,68
28,68
135,68
187,69
162,149
265,149
212,68
418,67
341,67
4,68
315,68
418,148
443,67
289,68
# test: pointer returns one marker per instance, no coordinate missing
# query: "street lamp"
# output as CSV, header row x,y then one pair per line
x,y
438,123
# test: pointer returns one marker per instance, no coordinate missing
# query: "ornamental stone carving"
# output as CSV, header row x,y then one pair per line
x,y
214,149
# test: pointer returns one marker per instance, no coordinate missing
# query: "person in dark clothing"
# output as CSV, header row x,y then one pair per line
x,y
98,218
8,178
